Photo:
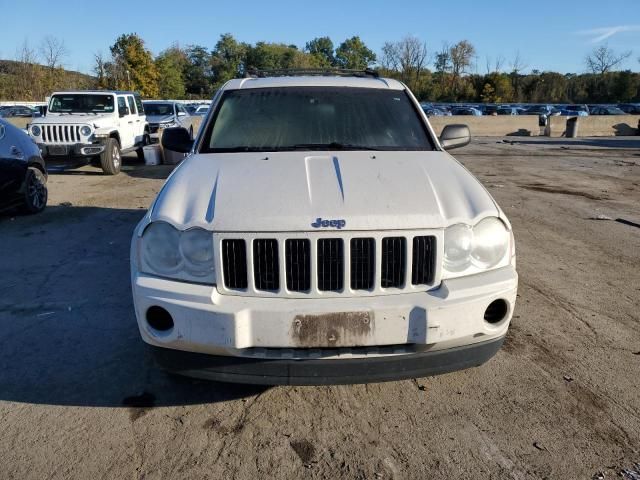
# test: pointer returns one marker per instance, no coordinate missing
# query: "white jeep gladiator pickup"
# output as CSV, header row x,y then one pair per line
x,y
90,124
319,233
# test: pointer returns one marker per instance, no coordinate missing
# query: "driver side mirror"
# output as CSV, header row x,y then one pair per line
x,y
123,111
177,139
455,136
182,114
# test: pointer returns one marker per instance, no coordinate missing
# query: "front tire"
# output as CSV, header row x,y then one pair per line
x,y
146,140
35,191
111,159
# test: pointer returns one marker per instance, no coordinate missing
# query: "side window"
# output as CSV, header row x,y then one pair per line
x,y
139,105
132,105
121,103
180,108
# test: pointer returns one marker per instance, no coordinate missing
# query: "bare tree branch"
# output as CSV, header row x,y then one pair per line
x,y
53,51
604,59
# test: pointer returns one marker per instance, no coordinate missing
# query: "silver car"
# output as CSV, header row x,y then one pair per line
x,y
163,114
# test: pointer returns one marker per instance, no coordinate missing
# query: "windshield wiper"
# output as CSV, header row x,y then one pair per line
x,y
326,146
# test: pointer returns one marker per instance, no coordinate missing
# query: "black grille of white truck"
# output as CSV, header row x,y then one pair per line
x,y
61,133
341,264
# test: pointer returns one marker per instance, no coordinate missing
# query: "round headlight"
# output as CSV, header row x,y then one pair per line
x,y
85,131
160,248
458,241
196,246
36,131
490,242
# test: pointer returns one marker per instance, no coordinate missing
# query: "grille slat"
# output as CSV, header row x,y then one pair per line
x,y
298,264
423,265
393,262
330,264
234,265
265,264
363,262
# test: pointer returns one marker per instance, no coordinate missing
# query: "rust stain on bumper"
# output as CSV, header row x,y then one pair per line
x,y
342,329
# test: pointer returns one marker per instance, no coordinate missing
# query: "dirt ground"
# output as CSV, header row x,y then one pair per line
x,y
80,398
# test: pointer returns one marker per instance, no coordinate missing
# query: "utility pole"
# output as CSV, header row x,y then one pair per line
x,y
128,79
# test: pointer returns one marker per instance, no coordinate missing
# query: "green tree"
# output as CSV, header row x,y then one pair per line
x,y
197,72
321,48
171,65
353,53
228,59
133,66
267,56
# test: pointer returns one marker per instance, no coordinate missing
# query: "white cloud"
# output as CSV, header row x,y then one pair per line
x,y
603,33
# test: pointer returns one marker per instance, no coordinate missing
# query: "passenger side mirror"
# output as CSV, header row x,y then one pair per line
x,y
177,139
123,111
182,114
455,136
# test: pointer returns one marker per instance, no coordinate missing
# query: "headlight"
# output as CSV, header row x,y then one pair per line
x,y
469,250
167,252
490,243
85,131
36,131
457,247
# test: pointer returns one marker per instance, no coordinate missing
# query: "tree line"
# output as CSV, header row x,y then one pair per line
x,y
450,73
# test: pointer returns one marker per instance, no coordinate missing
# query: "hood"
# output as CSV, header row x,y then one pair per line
x,y
160,118
262,192
74,118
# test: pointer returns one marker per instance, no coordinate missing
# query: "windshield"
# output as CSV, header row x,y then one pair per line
x,y
81,103
316,118
158,109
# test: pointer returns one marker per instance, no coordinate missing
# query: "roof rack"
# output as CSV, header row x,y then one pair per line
x,y
320,72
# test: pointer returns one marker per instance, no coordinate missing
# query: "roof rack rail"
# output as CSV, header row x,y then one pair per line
x,y
292,72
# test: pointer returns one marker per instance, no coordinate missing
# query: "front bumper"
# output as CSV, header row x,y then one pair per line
x,y
325,372
74,149
261,330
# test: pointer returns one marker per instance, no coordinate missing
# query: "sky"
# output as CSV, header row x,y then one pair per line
x,y
549,35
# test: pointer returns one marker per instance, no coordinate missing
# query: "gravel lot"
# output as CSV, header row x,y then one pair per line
x,y
80,398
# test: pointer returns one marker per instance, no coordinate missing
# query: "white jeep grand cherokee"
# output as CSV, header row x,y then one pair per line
x,y
319,233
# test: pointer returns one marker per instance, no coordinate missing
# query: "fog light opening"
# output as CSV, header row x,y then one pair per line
x,y
496,311
159,319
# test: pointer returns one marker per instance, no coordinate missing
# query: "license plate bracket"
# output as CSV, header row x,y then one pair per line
x,y
332,330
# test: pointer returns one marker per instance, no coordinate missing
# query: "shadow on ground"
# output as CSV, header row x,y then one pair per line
x,y
67,327
604,142
131,166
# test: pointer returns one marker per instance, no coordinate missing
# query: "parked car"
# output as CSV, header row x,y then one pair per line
x,y
314,236
606,110
165,114
431,111
507,111
466,111
23,176
85,125
202,110
576,110
630,108
16,111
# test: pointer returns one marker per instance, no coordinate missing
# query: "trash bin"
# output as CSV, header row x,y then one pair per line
x,y
171,157
152,155
572,127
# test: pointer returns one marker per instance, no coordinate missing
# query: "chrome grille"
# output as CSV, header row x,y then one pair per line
x,y
362,263
235,263
266,271
327,263
330,264
61,133
393,262
422,264
298,266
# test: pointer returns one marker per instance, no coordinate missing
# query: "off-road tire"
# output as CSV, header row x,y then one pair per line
x,y
35,191
111,158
